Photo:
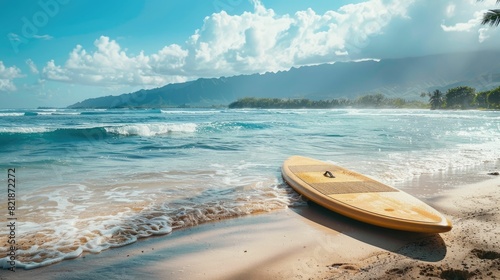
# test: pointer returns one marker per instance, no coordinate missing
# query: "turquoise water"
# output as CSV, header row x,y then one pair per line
x,y
92,180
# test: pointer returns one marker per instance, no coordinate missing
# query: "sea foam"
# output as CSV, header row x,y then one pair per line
x,y
151,129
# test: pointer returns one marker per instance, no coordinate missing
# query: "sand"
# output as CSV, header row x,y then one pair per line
x,y
471,250
308,243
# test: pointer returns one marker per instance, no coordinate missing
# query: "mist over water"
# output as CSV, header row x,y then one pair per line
x,y
91,180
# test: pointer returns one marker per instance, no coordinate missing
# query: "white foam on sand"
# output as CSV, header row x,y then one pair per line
x,y
62,222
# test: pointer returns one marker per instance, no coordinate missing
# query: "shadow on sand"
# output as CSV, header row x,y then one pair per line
x,y
421,246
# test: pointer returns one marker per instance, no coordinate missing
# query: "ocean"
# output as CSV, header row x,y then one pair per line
x,y
91,180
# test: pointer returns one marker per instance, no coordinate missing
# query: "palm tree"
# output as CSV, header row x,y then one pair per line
x,y
436,99
460,97
492,17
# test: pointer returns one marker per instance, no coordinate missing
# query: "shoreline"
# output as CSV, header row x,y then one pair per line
x,y
306,242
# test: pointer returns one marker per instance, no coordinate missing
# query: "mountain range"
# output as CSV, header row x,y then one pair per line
x,y
403,77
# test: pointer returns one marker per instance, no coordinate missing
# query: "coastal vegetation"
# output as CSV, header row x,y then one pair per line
x,y
461,97
464,97
366,101
491,17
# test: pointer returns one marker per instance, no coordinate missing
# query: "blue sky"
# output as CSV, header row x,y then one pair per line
x,y
58,52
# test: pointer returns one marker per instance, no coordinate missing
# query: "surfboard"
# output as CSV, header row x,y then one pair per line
x,y
361,198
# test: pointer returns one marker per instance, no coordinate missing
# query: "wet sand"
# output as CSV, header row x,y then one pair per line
x,y
308,243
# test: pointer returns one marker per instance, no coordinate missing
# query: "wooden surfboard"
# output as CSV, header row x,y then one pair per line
x,y
361,198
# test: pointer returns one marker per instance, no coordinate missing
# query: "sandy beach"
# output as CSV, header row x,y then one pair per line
x,y
308,243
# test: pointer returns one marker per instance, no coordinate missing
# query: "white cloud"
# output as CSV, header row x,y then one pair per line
x,y
483,34
43,37
7,76
169,60
226,45
14,37
469,18
450,10
465,26
17,38
263,41
109,65
460,27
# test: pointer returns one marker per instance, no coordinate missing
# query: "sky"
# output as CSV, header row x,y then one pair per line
x,y
55,53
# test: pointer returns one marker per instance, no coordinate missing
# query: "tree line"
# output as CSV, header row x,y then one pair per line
x,y
461,97
366,101
464,97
